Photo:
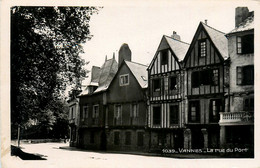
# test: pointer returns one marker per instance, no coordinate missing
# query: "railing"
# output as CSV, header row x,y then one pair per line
x,y
236,117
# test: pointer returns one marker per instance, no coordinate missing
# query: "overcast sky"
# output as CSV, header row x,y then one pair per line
x,y
142,26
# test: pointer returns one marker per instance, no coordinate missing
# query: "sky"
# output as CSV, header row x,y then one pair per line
x,y
142,26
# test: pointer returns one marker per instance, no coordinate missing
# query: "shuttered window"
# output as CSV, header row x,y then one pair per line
x,y
245,44
245,75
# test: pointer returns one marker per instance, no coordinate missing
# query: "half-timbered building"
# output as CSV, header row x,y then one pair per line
x,y
237,122
205,64
127,106
166,94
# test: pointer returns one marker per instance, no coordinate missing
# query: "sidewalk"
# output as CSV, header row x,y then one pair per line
x,y
180,156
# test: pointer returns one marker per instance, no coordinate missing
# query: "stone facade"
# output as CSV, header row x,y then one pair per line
x,y
237,124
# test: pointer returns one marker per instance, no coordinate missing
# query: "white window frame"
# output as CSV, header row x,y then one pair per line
x,y
95,114
117,114
122,79
85,113
134,114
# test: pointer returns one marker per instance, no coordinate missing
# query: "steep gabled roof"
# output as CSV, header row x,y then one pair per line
x,y
247,24
219,39
140,73
178,47
102,76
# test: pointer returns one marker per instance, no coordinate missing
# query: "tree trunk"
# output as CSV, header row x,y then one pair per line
x,y
18,136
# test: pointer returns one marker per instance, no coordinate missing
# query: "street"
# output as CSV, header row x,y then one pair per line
x,y
66,158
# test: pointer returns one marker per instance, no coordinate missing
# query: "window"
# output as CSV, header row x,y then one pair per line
x,y
127,138
124,80
85,111
134,112
156,115
95,111
249,104
215,77
195,81
215,108
144,78
173,83
205,77
117,112
116,138
245,44
164,57
92,137
194,111
174,114
140,138
245,75
202,48
156,85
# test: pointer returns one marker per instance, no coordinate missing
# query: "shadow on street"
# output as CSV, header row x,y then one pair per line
x,y
16,151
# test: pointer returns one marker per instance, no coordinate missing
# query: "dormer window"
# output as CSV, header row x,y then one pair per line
x,y
202,48
164,57
245,44
144,78
124,80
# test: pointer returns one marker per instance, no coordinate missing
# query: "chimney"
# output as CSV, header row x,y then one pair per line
x,y
206,21
124,54
240,15
175,36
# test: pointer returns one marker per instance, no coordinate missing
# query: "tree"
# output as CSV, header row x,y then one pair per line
x,y
45,47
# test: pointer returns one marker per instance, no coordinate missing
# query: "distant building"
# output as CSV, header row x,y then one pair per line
x,y
127,106
205,64
93,106
237,122
73,117
166,94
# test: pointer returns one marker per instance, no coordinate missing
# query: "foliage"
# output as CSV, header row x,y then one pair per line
x,y
45,47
